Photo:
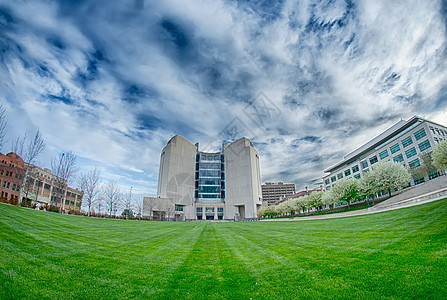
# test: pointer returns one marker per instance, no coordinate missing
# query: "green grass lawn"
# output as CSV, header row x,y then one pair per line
x,y
398,254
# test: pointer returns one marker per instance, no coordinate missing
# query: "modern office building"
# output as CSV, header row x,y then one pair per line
x,y
405,142
274,191
197,185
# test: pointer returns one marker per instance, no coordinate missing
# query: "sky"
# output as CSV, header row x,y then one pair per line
x,y
306,81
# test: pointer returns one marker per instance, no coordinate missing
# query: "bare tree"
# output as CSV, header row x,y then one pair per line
x,y
89,183
29,150
112,196
65,166
3,123
128,203
139,207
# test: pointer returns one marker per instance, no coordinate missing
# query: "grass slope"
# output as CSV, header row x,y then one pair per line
x,y
392,255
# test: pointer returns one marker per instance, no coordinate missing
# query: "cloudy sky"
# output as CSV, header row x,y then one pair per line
x,y
306,81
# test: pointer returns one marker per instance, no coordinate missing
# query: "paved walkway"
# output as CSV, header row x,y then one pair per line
x,y
386,205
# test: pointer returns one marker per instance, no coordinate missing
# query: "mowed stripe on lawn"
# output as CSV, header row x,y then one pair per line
x,y
396,254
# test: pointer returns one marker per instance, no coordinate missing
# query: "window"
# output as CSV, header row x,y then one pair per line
x,y
333,179
436,140
199,209
347,172
424,145
179,207
431,128
410,152
339,175
327,181
420,134
364,164
398,158
432,175
220,209
355,169
383,154
394,148
414,163
209,209
357,176
373,160
406,142
418,180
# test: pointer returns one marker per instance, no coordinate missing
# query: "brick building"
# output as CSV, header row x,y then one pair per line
x,y
11,171
41,186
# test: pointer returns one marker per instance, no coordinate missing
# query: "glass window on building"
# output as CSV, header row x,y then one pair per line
x,y
199,209
357,176
424,145
209,209
420,134
179,207
355,169
333,179
339,175
364,164
414,163
220,209
418,180
347,172
327,181
383,154
410,152
398,158
406,142
394,148
373,160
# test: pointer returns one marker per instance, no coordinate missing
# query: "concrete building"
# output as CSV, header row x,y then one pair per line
x,y
45,188
405,142
197,185
274,191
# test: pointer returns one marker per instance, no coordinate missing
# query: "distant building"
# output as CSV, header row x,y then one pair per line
x,y
197,185
297,195
273,191
404,142
11,170
40,185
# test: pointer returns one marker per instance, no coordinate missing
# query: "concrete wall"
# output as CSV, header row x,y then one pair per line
x,y
242,182
176,176
421,189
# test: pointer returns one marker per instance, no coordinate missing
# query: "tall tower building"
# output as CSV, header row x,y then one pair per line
x,y
199,185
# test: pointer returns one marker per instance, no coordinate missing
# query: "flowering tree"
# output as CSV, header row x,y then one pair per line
x,y
390,175
439,156
328,198
315,199
346,190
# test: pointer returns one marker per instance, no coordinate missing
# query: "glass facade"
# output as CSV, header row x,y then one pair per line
x,y
424,145
355,169
408,141
394,148
210,177
420,134
398,158
383,154
410,152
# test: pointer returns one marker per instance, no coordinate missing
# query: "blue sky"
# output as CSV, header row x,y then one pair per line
x,y
306,81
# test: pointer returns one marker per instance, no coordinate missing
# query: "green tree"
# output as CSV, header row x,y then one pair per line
x,y
439,156
346,190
